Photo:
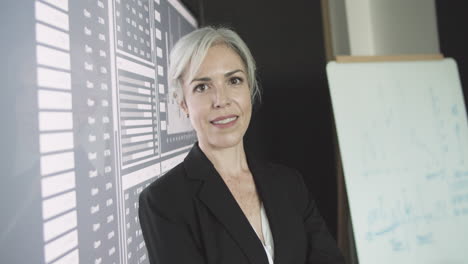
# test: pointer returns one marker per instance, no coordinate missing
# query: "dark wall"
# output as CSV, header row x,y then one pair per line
x,y
293,125
452,21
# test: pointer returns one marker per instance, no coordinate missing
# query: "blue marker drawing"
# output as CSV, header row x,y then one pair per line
x,y
455,110
387,229
435,174
398,245
425,239
403,141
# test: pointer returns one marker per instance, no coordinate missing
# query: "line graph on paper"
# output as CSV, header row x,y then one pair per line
x,y
403,136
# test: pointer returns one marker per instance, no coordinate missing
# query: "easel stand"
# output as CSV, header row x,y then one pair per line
x,y
345,237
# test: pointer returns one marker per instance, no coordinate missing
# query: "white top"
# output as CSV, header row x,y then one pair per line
x,y
269,248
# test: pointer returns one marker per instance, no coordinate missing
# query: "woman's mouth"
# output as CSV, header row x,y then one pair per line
x,y
224,122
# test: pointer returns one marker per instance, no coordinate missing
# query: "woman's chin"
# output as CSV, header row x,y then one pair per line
x,y
224,142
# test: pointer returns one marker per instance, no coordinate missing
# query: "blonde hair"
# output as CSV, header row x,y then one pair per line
x,y
189,52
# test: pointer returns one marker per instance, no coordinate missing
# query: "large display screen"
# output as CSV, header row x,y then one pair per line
x,y
91,122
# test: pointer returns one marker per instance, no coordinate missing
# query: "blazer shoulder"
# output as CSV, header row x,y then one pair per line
x,y
283,168
287,175
292,181
169,194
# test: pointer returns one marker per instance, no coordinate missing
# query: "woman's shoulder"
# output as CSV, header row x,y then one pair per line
x,y
168,192
290,180
283,168
282,172
169,180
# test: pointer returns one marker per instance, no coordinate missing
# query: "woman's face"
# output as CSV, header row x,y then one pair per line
x,y
218,100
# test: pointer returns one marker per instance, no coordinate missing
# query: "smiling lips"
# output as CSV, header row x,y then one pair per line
x,y
224,121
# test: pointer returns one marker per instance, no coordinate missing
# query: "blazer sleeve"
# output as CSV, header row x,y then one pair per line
x,y
168,239
322,247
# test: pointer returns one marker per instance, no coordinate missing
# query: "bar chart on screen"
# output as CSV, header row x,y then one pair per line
x,y
94,124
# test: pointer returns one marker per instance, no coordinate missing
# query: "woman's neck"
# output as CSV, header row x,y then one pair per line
x,y
229,162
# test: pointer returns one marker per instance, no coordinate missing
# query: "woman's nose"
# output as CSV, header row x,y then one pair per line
x,y
221,97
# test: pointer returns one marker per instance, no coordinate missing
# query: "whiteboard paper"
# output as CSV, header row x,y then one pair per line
x,y
403,136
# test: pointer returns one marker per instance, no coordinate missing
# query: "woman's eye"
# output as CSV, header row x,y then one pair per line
x,y
200,88
236,80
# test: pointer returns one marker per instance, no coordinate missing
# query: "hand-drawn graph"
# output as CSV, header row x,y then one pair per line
x,y
403,138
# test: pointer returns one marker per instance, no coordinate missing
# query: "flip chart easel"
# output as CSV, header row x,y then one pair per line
x,y
403,138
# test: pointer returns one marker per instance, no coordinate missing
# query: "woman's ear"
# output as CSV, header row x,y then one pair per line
x,y
184,107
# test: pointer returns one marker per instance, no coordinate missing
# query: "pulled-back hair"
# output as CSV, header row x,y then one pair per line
x,y
189,52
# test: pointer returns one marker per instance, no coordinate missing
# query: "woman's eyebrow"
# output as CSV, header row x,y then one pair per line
x,y
232,72
201,79
207,79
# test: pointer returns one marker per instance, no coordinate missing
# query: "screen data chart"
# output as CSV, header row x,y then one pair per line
x,y
91,122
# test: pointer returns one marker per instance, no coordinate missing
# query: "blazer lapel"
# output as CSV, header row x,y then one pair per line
x,y
217,197
279,212
215,194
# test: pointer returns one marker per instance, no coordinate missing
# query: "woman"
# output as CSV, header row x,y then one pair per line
x,y
220,205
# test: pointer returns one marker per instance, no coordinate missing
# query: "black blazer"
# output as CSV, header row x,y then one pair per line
x,y
189,215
